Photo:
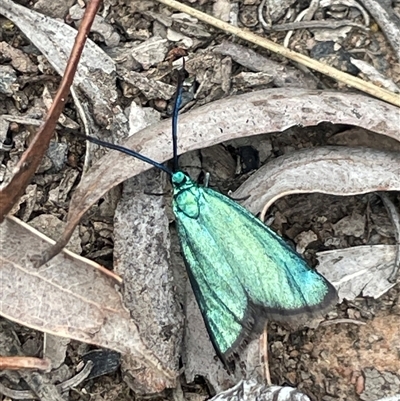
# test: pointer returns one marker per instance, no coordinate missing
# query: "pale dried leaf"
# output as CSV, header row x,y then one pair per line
x,y
71,297
141,257
281,75
335,170
374,75
361,270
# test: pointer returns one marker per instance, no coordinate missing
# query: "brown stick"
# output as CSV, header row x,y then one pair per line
x,y
23,362
32,157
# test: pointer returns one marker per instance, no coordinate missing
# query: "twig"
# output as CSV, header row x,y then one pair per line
x,y
325,24
23,362
77,379
348,79
17,394
266,25
306,15
342,321
264,355
86,128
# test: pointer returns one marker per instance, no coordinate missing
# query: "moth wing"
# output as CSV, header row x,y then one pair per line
x,y
219,294
272,274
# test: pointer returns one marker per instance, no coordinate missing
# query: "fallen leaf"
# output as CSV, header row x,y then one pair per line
x,y
71,297
282,75
335,170
359,270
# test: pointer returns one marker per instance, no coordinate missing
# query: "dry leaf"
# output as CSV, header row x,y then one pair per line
x,y
71,297
141,257
335,170
359,270
282,75
340,171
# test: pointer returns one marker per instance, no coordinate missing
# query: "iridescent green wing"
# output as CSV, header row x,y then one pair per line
x,y
276,279
241,271
219,294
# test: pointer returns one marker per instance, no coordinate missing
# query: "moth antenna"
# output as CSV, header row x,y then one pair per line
x,y
177,104
130,152
127,151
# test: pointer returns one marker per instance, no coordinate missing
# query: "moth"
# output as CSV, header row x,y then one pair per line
x,y
242,273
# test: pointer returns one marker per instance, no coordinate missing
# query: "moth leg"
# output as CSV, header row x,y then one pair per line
x,y
207,180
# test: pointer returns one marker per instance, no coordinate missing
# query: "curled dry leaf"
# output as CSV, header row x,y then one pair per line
x,y
71,297
235,117
335,170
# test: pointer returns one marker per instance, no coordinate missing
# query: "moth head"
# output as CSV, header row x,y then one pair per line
x,y
179,179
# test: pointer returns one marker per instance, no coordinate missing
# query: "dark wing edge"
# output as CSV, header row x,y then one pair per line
x,y
295,319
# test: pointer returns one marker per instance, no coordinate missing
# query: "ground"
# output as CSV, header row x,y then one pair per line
x,y
354,354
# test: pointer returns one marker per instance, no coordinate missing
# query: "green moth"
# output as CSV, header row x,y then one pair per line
x,y
241,271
